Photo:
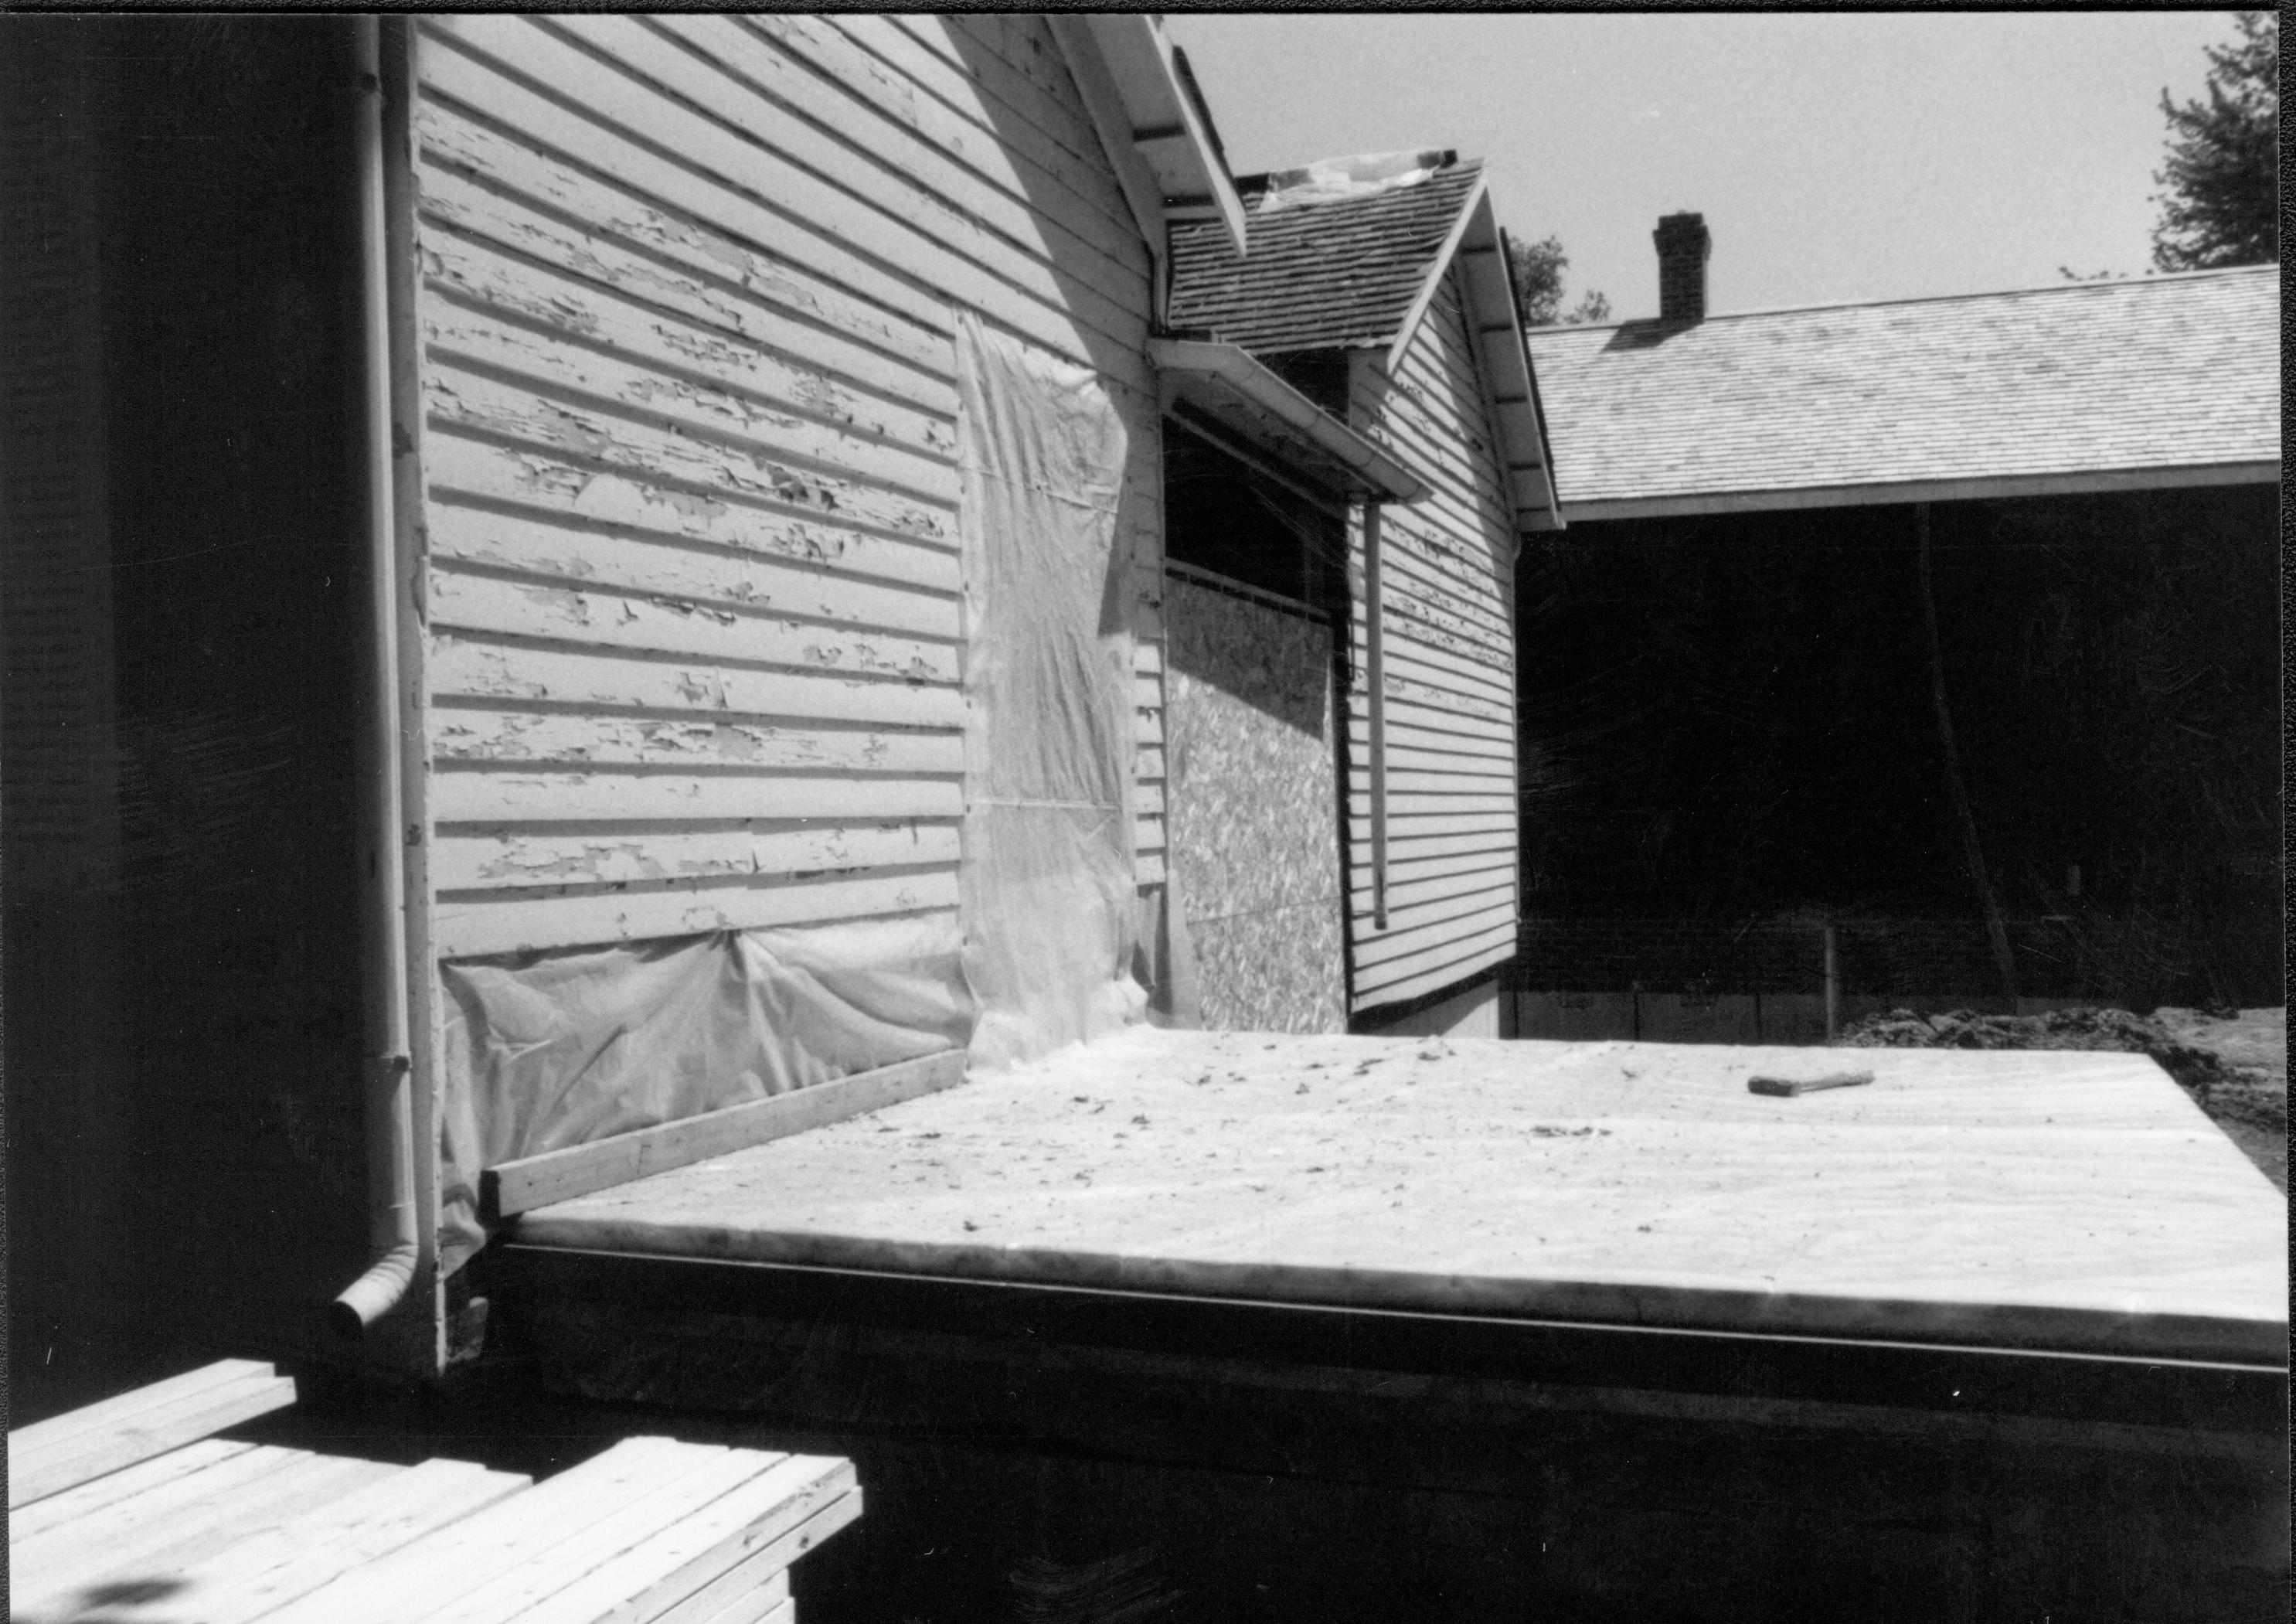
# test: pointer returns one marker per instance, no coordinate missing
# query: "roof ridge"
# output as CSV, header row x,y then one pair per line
x,y
2150,279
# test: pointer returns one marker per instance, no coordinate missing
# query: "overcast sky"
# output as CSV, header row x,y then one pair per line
x,y
1835,157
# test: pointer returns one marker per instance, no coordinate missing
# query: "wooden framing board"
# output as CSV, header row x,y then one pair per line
x,y
53,1461
555,1176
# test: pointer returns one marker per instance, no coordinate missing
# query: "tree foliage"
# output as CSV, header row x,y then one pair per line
x,y
2222,202
1538,270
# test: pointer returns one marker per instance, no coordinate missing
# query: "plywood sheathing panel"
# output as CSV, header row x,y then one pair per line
x,y
2073,1202
1254,809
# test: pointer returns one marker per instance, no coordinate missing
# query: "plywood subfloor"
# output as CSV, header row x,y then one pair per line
x,y
2074,1201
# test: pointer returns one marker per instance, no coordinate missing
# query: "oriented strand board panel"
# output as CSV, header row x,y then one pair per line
x,y
1254,808
2070,1202
1448,652
689,444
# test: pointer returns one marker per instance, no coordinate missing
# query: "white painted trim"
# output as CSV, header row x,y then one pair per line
x,y
2085,482
1159,112
1381,470
1479,198
1114,125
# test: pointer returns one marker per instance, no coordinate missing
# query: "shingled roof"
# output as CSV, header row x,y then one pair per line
x,y
2094,385
1318,276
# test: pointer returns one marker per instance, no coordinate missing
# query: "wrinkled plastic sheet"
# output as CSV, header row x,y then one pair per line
x,y
545,1051
1335,180
1046,881
548,1050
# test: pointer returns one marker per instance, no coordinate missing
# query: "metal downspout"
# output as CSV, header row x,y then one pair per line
x,y
391,1228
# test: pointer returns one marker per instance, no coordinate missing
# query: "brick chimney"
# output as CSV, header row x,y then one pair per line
x,y
1682,245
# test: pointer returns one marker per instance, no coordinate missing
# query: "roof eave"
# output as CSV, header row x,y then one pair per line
x,y
1213,377
1162,128
1977,488
1496,329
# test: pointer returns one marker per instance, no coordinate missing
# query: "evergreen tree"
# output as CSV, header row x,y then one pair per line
x,y
2222,205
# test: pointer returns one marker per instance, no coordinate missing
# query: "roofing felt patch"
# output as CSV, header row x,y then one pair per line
x,y
2087,378
1317,276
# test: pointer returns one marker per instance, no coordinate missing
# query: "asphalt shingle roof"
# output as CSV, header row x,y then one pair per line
x,y
1318,276
2161,372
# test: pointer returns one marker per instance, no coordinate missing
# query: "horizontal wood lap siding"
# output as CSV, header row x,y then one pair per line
x,y
693,578
1448,654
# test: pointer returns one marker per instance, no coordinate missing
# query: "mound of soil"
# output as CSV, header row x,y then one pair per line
x,y
2114,1030
2234,1063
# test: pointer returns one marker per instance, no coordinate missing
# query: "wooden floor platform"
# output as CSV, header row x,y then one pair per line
x,y
2071,1203
129,1511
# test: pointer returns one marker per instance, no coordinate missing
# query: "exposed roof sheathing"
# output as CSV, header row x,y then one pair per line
x,y
2090,379
1342,272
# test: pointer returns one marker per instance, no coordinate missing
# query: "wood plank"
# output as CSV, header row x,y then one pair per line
x,y
541,797
25,1442
578,346
274,1566
467,926
474,667
157,1549
979,179
418,1578
1413,978
140,1434
654,198
658,624
94,1498
1077,188
1429,927
543,485
975,226
1491,879
989,92
546,1571
640,1585
1021,292
767,1567
674,567
575,740
154,1505
765,1604
673,328
606,436
513,1188
492,183
503,860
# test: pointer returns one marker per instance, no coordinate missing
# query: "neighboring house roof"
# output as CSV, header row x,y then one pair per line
x,y
1347,254
2089,386
1319,276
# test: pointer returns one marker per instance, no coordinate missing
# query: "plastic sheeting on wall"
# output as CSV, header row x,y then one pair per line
x,y
1046,879
548,1050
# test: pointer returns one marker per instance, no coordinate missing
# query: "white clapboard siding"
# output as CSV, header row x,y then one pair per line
x,y
692,593
1448,654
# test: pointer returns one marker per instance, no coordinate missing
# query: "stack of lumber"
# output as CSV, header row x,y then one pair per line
x,y
130,1511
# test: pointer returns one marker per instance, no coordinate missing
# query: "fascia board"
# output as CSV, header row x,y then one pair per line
x,y
2085,482
1394,479
1112,122
1479,199
1164,125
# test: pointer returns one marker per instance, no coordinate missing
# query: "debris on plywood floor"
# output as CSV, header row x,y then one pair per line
x,y
2233,1062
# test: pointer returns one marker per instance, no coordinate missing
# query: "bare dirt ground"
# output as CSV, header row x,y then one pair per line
x,y
2234,1064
